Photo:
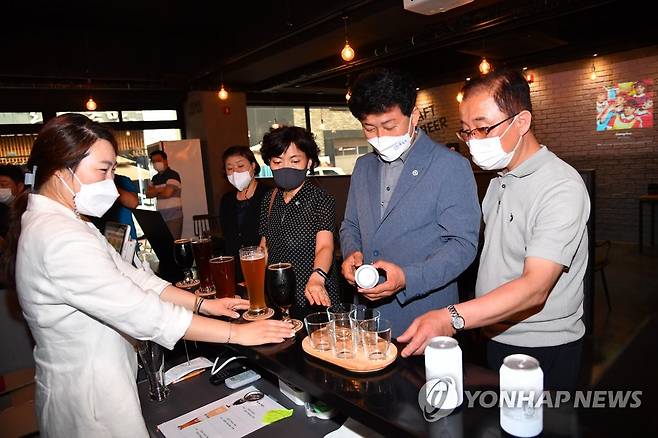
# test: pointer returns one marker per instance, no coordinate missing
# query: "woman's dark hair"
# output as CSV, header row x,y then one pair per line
x,y
62,143
163,154
377,91
242,151
12,171
509,89
277,141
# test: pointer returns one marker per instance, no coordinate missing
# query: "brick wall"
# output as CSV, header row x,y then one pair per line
x,y
563,97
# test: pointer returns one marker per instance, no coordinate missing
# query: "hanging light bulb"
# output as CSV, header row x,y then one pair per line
x,y
275,125
460,97
322,126
127,133
91,104
222,94
484,67
348,95
593,75
348,52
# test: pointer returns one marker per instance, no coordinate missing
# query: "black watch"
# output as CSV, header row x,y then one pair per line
x,y
321,272
457,320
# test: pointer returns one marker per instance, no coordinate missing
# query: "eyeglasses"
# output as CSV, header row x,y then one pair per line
x,y
465,134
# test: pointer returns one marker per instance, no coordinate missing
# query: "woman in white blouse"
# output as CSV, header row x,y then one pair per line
x,y
83,303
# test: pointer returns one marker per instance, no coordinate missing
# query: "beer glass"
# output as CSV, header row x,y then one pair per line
x,y
281,286
202,250
184,259
376,336
222,270
152,357
252,260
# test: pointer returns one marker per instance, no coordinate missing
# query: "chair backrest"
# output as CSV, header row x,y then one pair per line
x,y
205,224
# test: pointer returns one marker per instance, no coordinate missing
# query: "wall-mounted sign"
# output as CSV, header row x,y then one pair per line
x,y
625,105
429,121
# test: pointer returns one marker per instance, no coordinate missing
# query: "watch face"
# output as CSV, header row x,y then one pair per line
x,y
458,323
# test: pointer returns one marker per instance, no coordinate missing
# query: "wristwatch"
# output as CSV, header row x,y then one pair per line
x,y
457,320
321,272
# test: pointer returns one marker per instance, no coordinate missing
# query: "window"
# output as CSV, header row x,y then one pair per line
x,y
261,119
27,118
148,115
97,116
340,139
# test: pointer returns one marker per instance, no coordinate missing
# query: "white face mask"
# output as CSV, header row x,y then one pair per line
x,y
240,180
392,146
6,196
488,153
93,199
159,166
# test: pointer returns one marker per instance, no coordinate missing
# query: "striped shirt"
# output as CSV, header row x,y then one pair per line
x,y
170,208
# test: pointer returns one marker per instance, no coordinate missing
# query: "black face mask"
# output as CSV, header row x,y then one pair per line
x,y
289,178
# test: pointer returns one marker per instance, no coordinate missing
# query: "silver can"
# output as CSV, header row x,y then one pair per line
x,y
521,395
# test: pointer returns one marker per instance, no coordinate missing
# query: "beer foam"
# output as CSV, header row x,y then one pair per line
x,y
252,257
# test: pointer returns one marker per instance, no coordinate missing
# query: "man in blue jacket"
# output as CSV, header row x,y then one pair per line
x,y
412,208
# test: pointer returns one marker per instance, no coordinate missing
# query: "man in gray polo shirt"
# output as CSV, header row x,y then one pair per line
x,y
529,291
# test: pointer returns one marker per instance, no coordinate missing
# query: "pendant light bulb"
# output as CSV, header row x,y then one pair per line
x,y
484,67
91,105
348,95
593,75
222,94
460,97
347,53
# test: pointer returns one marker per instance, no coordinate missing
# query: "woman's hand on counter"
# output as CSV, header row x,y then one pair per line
x,y
425,327
315,291
261,332
224,307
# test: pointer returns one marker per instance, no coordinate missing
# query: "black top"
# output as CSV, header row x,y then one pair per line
x,y
291,236
4,219
161,178
239,222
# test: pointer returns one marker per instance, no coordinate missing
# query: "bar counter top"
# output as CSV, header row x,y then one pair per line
x,y
387,400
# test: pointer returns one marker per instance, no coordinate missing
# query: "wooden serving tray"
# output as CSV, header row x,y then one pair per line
x,y
359,364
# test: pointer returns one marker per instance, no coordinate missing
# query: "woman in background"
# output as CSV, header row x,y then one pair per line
x,y
240,208
298,224
85,305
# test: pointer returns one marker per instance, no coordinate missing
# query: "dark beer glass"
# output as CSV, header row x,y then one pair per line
x,y
184,258
202,250
223,276
281,286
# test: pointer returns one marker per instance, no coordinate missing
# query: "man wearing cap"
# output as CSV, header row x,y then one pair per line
x,y
412,209
530,280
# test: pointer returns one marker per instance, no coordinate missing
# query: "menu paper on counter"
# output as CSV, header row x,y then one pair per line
x,y
222,418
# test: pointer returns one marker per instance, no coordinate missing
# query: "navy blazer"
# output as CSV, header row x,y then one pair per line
x,y
430,227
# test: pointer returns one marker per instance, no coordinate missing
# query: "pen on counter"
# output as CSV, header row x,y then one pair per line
x,y
189,375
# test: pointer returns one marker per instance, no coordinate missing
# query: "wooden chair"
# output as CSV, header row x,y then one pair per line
x,y
600,262
205,224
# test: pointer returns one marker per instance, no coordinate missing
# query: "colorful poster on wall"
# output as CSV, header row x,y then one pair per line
x,y
625,105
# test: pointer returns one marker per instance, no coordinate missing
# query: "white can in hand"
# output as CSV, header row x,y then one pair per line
x,y
366,276
521,395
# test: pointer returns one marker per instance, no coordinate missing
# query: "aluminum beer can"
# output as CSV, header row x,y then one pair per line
x,y
443,373
521,395
366,276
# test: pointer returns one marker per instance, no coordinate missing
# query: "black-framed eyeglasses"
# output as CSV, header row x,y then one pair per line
x,y
465,134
